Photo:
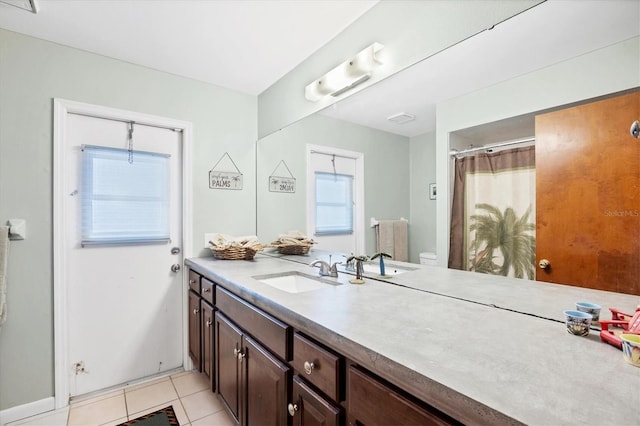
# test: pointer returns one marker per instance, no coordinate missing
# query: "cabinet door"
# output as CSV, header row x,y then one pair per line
x,y
372,402
310,409
267,386
228,344
208,341
194,330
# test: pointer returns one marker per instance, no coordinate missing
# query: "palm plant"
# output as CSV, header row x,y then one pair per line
x,y
504,232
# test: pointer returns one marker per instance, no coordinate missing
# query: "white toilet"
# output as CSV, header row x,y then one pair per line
x,y
428,258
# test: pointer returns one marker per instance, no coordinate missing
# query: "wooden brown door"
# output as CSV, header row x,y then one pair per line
x,y
267,386
228,344
208,341
588,195
310,409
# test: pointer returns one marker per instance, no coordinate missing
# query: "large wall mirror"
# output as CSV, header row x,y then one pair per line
x,y
486,89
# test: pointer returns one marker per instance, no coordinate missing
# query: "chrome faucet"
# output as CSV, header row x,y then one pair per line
x,y
325,269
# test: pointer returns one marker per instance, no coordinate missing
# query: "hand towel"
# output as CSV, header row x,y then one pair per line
x,y
400,241
385,239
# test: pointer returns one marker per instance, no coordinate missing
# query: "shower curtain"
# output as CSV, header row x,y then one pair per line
x,y
493,213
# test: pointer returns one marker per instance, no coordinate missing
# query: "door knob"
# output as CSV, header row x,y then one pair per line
x,y
175,267
544,264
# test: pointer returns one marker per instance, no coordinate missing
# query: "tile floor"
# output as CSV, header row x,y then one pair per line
x,y
188,393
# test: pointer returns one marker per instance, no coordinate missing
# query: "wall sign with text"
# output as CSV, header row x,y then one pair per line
x,y
219,179
282,183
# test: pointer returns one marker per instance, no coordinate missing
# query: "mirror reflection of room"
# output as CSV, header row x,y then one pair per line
x,y
475,119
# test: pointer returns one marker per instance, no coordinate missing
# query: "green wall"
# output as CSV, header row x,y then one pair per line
x,y
32,73
422,219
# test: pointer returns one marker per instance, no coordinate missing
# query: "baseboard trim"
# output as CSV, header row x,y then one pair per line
x,y
27,410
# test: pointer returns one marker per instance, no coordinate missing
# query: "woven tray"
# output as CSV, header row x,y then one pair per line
x,y
234,253
294,249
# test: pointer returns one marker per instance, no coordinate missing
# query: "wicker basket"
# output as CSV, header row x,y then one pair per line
x,y
233,253
294,249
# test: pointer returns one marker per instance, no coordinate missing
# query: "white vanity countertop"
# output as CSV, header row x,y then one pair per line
x,y
484,349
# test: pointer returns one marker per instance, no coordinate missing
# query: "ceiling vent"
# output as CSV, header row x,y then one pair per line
x,y
401,118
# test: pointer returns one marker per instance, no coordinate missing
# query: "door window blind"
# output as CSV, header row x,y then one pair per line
x,y
123,202
334,204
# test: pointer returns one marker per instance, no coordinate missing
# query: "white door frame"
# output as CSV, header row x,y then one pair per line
x,y
359,190
61,108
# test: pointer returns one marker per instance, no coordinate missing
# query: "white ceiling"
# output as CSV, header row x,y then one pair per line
x,y
243,45
542,36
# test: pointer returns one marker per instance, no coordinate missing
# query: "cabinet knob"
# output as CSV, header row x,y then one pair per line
x,y
292,409
192,281
309,367
195,311
206,289
241,356
236,351
544,264
209,322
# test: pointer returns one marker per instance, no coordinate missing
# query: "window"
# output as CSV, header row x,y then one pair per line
x,y
123,202
334,204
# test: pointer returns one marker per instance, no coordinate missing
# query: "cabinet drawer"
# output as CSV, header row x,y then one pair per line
x,y
271,332
207,290
318,365
370,401
194,281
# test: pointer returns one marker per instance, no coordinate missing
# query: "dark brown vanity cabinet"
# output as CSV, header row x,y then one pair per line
x,y
252,381
267,374
201,327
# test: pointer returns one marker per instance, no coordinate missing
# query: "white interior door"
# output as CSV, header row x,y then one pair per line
x,y
335,161
123,301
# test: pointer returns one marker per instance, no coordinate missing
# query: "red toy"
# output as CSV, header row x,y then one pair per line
x,y
629,323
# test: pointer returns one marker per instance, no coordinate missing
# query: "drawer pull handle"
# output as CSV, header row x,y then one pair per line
x,y
309,367
292,409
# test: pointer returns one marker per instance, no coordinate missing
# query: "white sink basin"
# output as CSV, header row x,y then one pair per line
x,y
389,269
295,282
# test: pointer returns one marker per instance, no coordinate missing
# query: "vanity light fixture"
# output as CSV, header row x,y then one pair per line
x,y
345,76
401,118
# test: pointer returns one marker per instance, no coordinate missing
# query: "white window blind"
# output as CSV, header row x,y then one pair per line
x,y
334,204
123,202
